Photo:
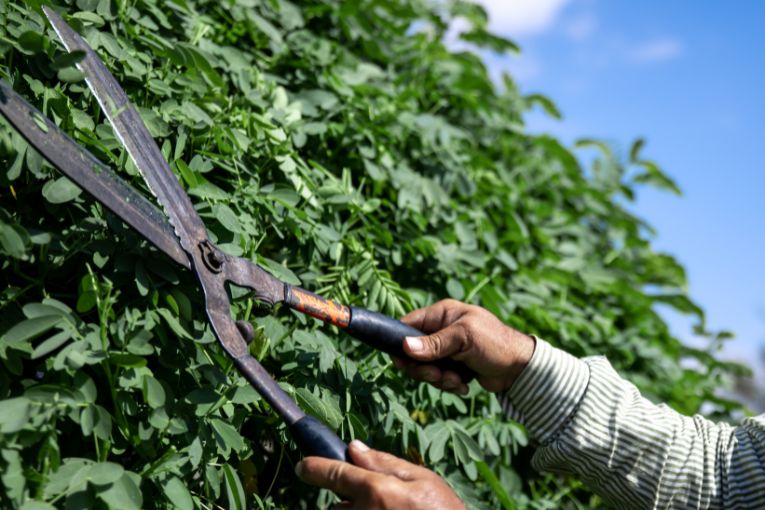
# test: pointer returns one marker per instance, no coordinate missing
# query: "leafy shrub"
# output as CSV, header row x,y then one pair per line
x,y
342,146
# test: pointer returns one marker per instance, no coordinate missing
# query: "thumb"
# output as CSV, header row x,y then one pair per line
x,y
440,344
380,462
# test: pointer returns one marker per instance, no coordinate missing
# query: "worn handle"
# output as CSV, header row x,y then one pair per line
x,y
387,334
316,306
315,438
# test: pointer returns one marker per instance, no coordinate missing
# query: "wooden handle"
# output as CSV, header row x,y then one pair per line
x,y
317,306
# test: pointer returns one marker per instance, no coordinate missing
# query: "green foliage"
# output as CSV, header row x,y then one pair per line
x,y
342,146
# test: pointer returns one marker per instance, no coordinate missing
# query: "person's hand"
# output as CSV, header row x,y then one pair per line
x,y
467,333
379,481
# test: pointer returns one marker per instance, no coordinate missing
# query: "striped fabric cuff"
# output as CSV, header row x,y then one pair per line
x,y
548,391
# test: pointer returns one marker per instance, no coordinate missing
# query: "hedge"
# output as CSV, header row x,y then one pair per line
x,y
344,147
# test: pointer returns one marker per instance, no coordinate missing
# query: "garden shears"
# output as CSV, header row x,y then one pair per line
x,y
180,233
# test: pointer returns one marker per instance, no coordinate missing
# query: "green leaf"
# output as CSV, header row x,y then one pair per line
x,y
37,505
82,120
496,486
681,303
105,473
209,191
13,474
226,436
455,289
545,103
51,344
359,429
89,17
466,449
227,218
60,190
178,494
71,474
195,452
280,271
123,493
103,423
485,39
234,490
87,420
14,171
323,409
174,324
30,328
13,240
438,434
30,42
34,310
153,391
14,414
86,386
68,59
655,177
70,75
637,146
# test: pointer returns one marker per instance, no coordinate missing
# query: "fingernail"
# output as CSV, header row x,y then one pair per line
x,y
359,446
414,344
448,385
299,469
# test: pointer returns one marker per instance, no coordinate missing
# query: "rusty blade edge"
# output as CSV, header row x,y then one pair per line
x,y
90,174
135,137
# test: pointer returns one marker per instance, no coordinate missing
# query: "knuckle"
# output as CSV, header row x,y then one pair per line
x,y
407,495
336,472
448,385
368,485
469,322
437,342
378,492
461,337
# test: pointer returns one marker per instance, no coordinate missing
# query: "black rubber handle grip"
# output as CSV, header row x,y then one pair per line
x,y
316,439
387,334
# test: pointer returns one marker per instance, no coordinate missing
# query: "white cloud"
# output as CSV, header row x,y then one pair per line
x,y
522,17
657,50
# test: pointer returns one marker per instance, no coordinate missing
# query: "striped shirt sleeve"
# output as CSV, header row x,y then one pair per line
x,y
635,454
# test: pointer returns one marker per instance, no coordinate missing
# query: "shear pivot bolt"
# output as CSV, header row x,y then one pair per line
x,y
213,259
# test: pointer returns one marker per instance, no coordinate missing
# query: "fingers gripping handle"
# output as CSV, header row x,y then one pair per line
x,y
315,438
387,334
374,329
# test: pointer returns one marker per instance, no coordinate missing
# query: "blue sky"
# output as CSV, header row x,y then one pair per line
x,y
688,76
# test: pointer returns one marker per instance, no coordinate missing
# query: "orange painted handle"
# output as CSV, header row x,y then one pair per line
x,y
317,306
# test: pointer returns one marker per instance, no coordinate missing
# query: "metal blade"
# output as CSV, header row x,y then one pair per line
x,y
132,132
109,189
90,174
205,259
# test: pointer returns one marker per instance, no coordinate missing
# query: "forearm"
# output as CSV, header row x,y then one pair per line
x,y
592,423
